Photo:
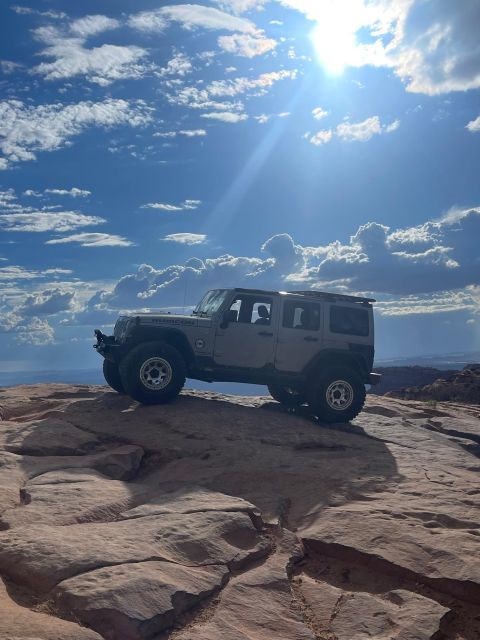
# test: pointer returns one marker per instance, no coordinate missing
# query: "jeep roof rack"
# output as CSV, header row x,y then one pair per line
x,y
312,293
332,296
261,291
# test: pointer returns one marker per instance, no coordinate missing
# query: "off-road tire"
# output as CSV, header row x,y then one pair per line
x,y
149,365
341,386
112,376
286,396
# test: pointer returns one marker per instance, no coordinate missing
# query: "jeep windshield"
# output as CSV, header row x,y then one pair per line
x,y
211,302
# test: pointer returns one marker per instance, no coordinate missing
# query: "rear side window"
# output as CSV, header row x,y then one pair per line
x,y
348,320
301,315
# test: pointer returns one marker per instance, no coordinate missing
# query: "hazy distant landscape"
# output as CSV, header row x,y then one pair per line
x,y
95,376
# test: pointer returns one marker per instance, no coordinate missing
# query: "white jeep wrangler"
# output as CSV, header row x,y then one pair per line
x,y
306,346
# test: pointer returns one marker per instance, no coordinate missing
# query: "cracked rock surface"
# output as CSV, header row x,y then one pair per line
x,y
228,518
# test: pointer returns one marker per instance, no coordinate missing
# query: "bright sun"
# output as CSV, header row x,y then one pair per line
x,y
334,36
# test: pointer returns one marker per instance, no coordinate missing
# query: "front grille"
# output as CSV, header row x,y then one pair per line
x,y
120,328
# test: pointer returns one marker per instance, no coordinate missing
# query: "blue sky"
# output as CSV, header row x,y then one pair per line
x,y
150,151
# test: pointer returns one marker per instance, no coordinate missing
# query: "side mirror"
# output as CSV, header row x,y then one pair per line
x,y
228,317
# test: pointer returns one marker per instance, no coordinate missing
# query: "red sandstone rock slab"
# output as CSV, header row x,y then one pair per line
x,y
135,601
47,437
395,615
20,623
71,496
42,556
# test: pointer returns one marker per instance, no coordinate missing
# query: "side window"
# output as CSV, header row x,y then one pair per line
x,y
349,321
301,315
251,310
261,312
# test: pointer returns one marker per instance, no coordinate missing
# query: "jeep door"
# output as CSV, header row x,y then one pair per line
x,y
299,334
248,339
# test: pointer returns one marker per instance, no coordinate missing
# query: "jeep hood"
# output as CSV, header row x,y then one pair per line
x,y
173,319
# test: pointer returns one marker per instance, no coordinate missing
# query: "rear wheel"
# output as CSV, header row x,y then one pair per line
x,y
112,376
286,395
337,395
153,373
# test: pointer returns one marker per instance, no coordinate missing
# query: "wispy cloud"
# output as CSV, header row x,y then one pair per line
x,y
8,66
193,133
92,25
265,117
25,129
190,16
14,273
225,116
180,65
74,192
186,205
353,131
28,11
240,6
186,238
246,45
43,221
101,65
241,85
93,240
363,131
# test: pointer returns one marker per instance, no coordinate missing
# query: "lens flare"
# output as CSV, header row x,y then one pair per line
x,y
334,35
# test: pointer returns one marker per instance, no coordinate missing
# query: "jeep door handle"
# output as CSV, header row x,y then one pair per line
x,y
265,334
310,339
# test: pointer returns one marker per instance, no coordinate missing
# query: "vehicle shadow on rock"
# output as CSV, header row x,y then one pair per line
x,y
108,484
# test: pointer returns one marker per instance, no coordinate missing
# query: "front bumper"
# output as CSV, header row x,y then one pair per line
x,y
107,347
374,378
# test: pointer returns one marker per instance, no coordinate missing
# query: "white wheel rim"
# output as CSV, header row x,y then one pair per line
x,y
155,374
339,395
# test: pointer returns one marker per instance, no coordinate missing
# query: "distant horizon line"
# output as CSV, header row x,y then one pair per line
x,y
377,362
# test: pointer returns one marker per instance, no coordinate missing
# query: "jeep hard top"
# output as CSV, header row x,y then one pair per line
x,y
308,347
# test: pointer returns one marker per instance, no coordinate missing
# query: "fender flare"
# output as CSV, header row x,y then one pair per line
x,y
172,336
337,357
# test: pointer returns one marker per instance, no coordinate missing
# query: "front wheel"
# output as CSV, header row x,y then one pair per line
x,y
153,373
337,395
112,376
286,395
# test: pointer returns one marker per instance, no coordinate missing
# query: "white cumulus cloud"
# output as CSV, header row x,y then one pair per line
x,y
474,125
47,302
318,113
321,137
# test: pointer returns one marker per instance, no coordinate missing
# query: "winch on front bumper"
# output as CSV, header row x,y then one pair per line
x,y
107,347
